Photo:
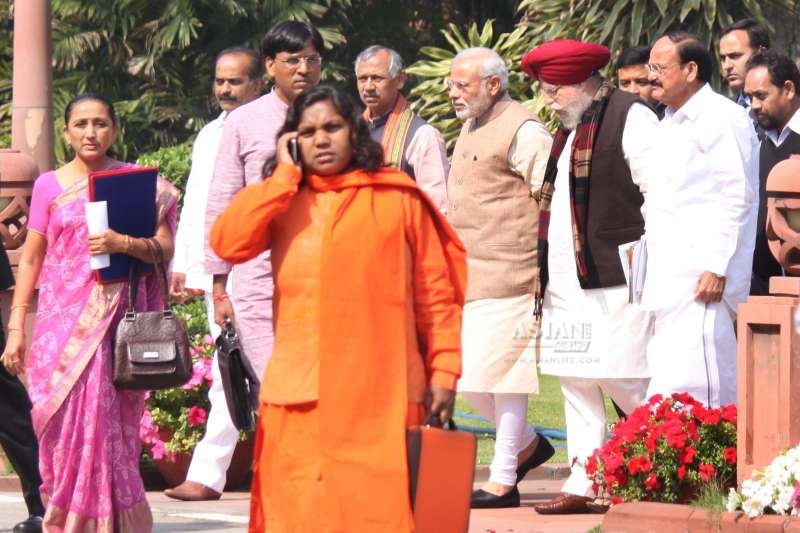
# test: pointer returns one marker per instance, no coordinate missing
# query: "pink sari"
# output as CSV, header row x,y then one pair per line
x,y
88,431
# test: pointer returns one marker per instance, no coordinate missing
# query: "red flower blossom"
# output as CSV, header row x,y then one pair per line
x,y
687,455
713,417
706,471
196,416
729,413
681,473
730,455
639,464
652,482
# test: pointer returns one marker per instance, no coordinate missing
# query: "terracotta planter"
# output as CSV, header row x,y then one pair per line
x,y
174,472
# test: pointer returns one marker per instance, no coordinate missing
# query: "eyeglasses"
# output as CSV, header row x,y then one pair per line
x,y
551,92
294,61
461,85
659,68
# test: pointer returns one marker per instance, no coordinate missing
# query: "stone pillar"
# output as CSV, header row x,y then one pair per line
x,y
32,107
769,376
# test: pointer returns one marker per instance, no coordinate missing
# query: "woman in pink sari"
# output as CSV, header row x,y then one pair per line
x,y
88,431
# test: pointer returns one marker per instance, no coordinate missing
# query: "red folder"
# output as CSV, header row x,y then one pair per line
x,y
131,196
441,467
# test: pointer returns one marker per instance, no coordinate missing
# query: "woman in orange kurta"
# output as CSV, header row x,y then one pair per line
x,y
369,289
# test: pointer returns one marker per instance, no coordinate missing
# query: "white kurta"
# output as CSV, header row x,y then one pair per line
x,y
594,333
189,239
701,217
213,453
702,209
497,347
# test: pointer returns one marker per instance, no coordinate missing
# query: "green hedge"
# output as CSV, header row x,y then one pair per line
x,y
173,164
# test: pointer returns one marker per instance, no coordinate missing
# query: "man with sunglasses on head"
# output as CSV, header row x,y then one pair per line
x,y
591,202
701,216
497,164
291,52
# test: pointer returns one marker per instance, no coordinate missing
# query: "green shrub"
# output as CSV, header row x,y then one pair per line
x,y
173,164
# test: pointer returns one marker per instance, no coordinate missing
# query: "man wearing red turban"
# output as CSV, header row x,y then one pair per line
x,y
591,202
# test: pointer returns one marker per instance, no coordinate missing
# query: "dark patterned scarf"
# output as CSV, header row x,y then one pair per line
x,y
579,171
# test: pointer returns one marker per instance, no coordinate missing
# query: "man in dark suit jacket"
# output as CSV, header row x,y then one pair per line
x,y
772,82
16,432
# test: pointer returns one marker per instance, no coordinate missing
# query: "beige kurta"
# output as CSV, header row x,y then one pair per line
x,y
498,348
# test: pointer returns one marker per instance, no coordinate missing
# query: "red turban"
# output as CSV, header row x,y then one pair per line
x,y
564,61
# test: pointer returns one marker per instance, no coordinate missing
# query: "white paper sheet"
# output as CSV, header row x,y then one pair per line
x,y
633,256
97,220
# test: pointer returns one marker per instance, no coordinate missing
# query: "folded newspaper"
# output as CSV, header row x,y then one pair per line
x,y
633,256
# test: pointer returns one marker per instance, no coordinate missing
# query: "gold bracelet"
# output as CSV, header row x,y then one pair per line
x,y
15,329
128,244
20,306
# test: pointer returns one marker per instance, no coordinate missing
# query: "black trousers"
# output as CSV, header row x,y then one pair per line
x,y
17,437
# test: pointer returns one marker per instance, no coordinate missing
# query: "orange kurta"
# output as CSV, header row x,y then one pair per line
x,y
369,290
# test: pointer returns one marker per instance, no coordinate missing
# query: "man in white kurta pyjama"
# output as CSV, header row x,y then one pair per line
x,y
700,226
237,81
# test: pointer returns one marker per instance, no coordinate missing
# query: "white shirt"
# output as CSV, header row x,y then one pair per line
x,y
702,208
792,126
189,239
528,153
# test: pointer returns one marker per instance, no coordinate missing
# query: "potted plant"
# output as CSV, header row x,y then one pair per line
x,y
665,450
174,420
776,490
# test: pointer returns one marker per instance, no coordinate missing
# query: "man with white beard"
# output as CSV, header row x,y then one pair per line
x,y
592,200
498,163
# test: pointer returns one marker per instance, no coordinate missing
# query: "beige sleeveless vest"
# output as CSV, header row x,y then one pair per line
x,y
491,207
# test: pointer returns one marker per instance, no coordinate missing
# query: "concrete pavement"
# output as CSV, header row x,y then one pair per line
x,y
230,514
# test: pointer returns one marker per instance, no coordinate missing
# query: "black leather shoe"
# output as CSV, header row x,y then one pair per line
x,y
32,525
486,500
544,451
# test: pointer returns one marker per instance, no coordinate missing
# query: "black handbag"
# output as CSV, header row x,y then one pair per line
x,y
151,350
239,381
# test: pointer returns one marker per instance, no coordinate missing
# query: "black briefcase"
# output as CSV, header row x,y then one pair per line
x,y
239,381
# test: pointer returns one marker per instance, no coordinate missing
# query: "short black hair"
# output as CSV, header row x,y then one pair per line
x,y
756,33
635,55
691,48
290,36
367,154
256,68
90,96
780,67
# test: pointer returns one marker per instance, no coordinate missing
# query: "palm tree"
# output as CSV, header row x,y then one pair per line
x,y
154,59
615,23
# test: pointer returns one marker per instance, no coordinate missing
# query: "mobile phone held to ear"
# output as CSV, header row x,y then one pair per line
x,y
294,151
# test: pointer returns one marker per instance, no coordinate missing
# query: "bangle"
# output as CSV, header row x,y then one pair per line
x,y
14,329
128,243
20,306
220,297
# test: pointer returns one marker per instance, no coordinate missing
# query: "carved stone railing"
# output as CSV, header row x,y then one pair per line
x,y
17,174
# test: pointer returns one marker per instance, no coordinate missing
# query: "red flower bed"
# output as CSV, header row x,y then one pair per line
x,y
665,450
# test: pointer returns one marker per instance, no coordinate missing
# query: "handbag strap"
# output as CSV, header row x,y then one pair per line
x,y
153,246
158,263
